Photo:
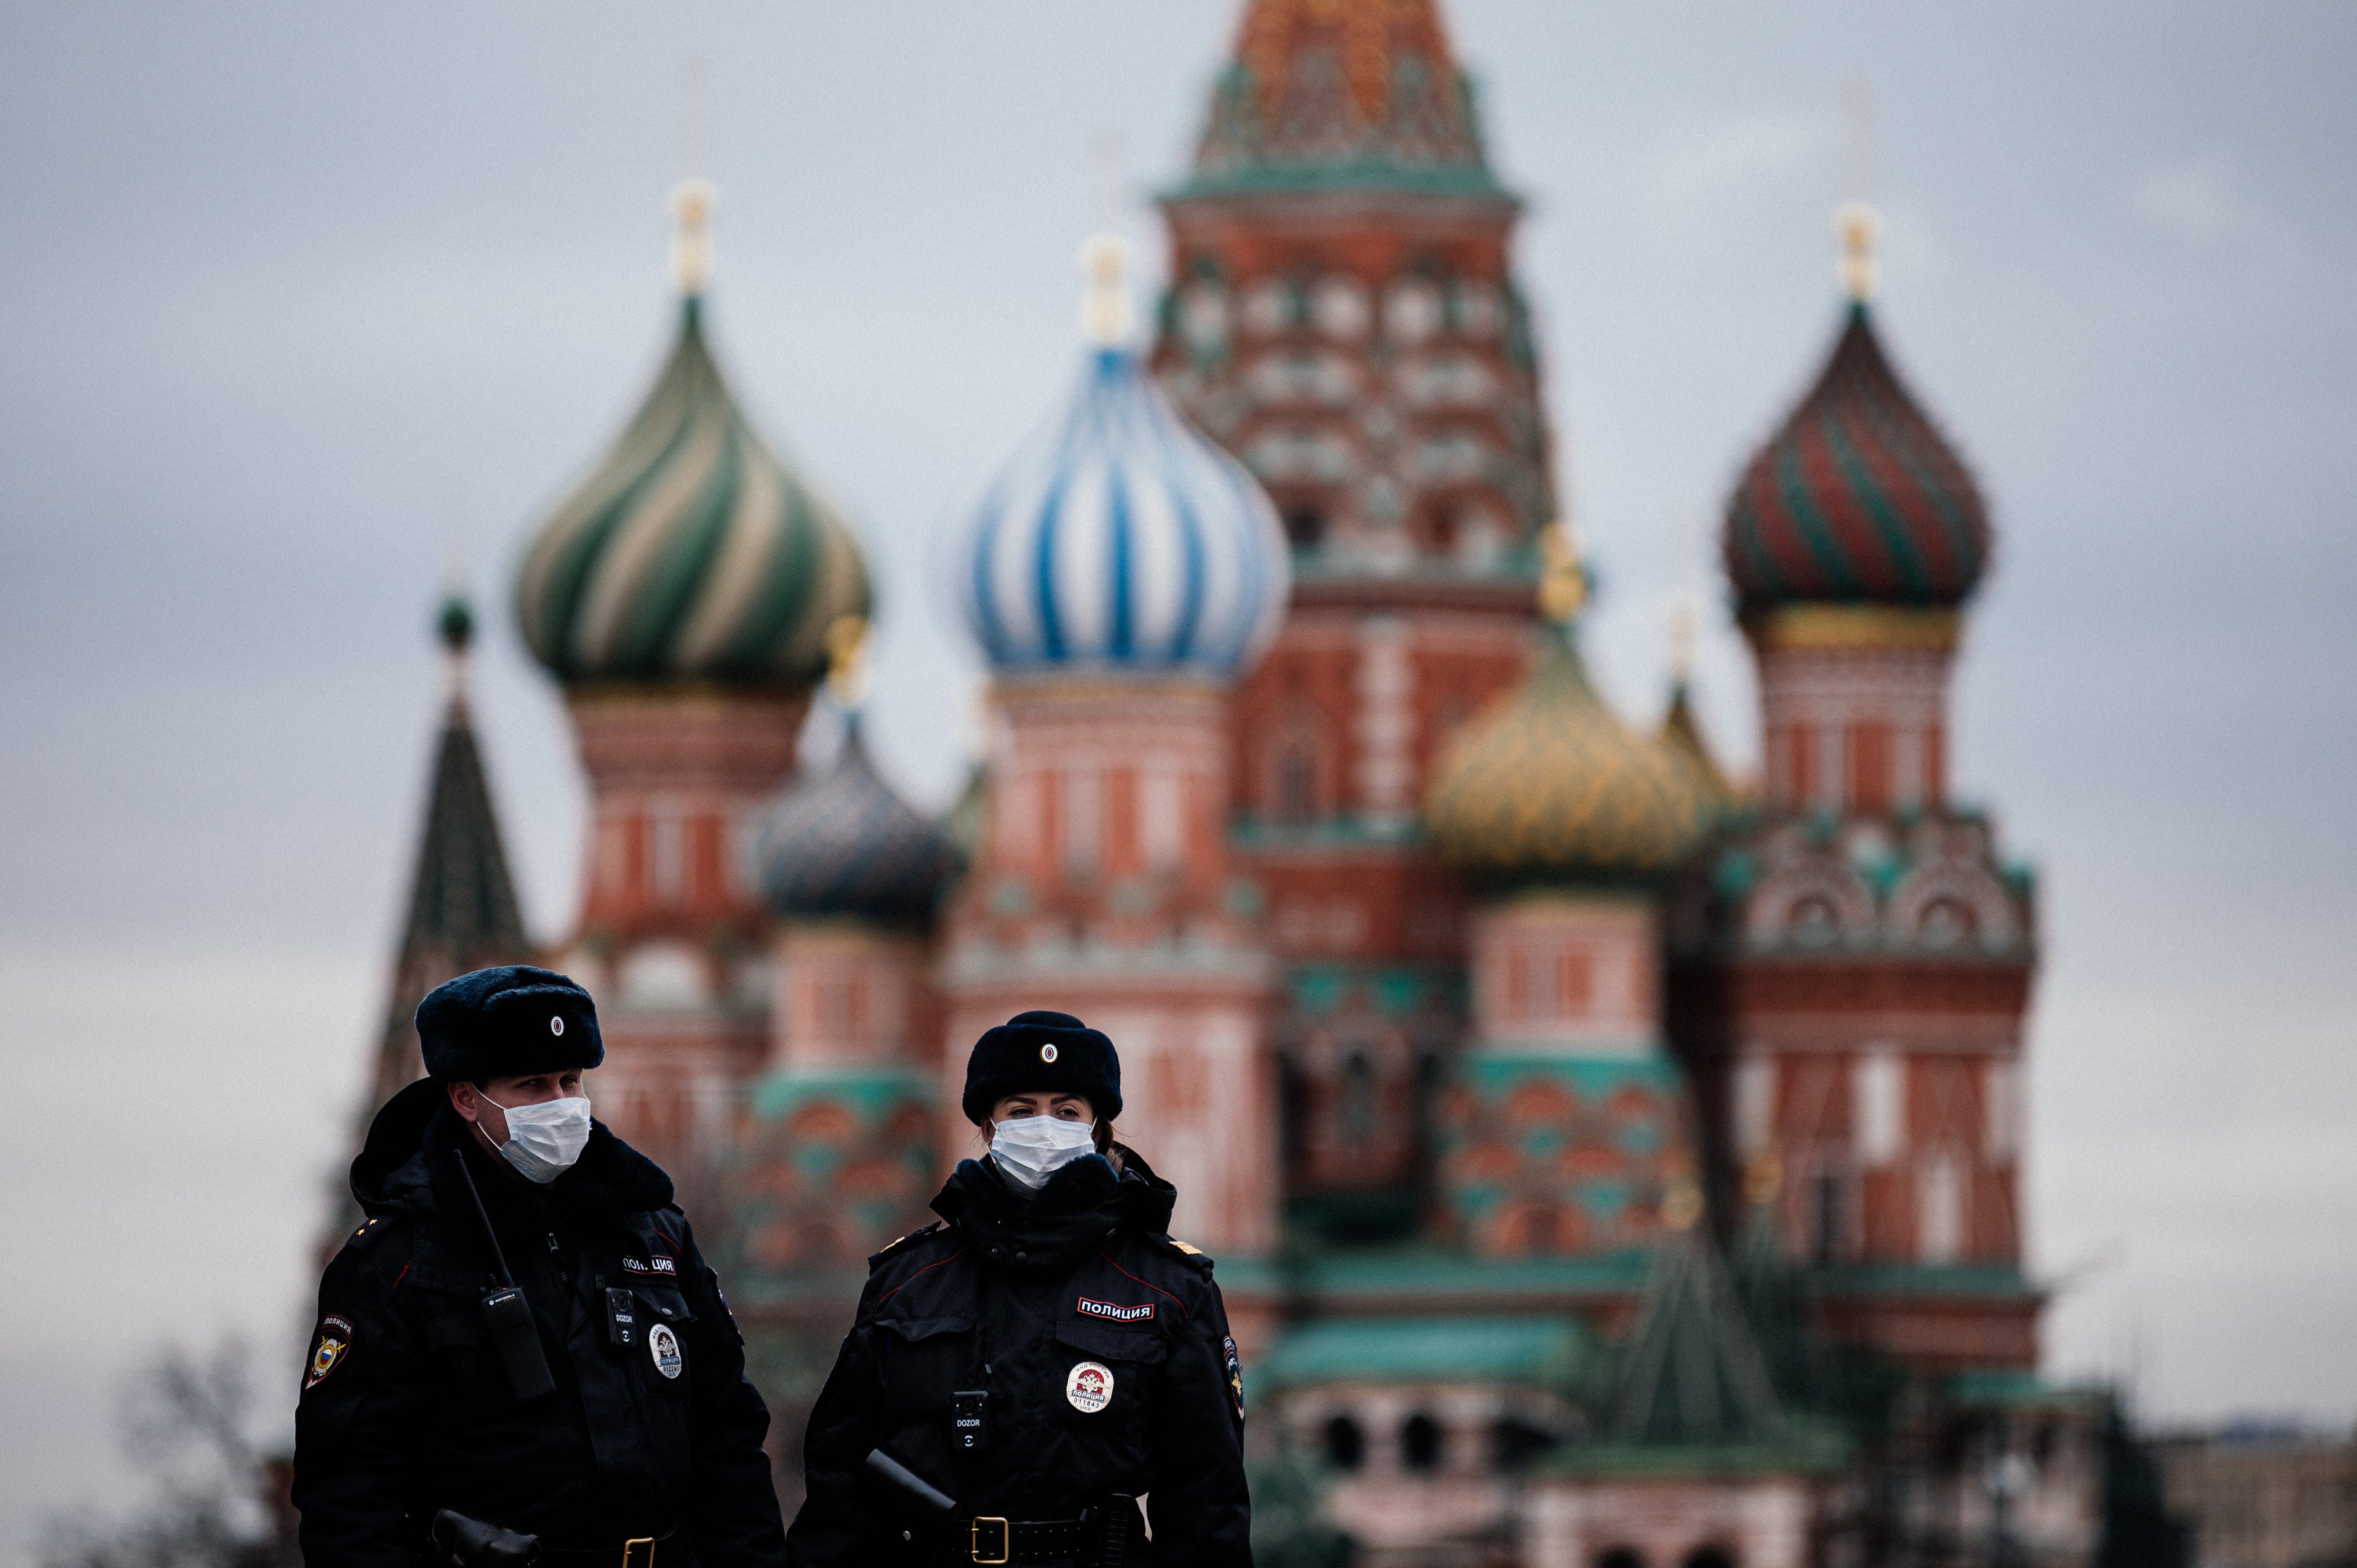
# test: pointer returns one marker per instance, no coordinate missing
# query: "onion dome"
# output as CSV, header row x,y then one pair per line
x,y
691,551
1858,498
844,843
1120,539
1549,783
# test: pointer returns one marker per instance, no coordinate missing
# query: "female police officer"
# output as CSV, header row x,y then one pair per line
x,y
1041,1357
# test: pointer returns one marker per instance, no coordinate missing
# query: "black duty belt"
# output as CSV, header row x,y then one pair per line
x,y
990,1539
455,1540
635,1551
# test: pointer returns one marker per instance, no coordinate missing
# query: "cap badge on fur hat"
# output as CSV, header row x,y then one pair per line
x,y
555,1026
1047,1053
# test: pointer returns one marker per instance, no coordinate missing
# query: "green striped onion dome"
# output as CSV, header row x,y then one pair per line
x,y
1550,785
690,553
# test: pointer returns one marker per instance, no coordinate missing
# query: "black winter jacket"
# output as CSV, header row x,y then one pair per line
x,y
1019,1297
407,1410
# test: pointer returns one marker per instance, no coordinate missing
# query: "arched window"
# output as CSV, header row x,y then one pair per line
x,y
1828,1217
1514,1443
1297,783
1305,528
1292,1108
1355,1116
1291,766
1420,1442
1814,923
1945,922
1346,1445
1541,1231
1710,1557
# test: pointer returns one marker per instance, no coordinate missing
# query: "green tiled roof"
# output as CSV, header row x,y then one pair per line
x,y
1999,1279
1365,1271
865,1089
1798,1443
2002,1390
1547,1352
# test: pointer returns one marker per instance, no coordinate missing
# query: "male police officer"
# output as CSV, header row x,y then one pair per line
x,y
524,1334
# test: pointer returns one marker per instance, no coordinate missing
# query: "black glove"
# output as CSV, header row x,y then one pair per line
x,y
463,1543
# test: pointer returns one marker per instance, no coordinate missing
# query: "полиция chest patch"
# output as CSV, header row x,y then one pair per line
x,y
1118,1313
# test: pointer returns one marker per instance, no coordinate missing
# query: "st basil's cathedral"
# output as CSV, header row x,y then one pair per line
x,y
1608,1164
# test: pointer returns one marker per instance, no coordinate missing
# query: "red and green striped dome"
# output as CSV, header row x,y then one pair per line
x,y
1858,499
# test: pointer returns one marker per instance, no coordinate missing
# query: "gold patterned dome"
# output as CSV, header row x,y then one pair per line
x,y
1549,783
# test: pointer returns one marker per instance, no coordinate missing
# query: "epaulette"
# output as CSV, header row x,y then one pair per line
x,y
371,1230
891,1247
1193,1254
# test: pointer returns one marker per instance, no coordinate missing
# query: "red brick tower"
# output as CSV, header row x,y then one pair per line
x,y
1343,318
1850,971
682,595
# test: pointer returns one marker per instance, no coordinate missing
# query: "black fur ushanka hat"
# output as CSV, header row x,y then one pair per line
x,y
1050,1052
508,1022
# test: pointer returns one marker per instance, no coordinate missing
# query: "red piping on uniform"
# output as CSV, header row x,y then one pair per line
x,y
929,1268
1149,1285
398,1278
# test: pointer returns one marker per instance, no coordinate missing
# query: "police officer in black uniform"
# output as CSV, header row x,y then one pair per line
x,y
1023,1371
522,1337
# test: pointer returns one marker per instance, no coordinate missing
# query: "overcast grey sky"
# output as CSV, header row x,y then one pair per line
x,y
297,300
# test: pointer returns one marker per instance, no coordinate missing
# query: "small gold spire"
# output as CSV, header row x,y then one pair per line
x,y
1857,226
1682,1204
1563,579
692,201
1106,319
846,660
1683,617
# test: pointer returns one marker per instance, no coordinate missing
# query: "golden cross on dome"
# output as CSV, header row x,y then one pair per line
x,y
1856,222
1106,318
692,201
1563,579
846,660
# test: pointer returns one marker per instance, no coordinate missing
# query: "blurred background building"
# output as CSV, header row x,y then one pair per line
x,y
1608,1161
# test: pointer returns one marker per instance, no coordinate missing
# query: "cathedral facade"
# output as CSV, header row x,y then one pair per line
x,y
1606,1163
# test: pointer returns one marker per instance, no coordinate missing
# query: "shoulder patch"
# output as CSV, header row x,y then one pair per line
x,y
1193,1254
370,1232
891,1247
330,1350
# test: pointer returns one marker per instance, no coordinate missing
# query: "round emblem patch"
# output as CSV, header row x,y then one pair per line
x,y
1047,1053
663,1345
1089,1387
556,1026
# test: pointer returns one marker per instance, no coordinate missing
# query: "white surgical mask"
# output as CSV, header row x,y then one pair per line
x,y
544,1140
1030,1150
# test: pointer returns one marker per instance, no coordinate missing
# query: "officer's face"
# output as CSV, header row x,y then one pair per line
x,y
1062,1107
532,1088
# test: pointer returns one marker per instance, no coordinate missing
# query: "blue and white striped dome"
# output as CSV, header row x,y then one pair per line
x,y
1120,539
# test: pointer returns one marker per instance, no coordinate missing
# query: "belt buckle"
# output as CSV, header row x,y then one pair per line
x,y
975,1541
633,1557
